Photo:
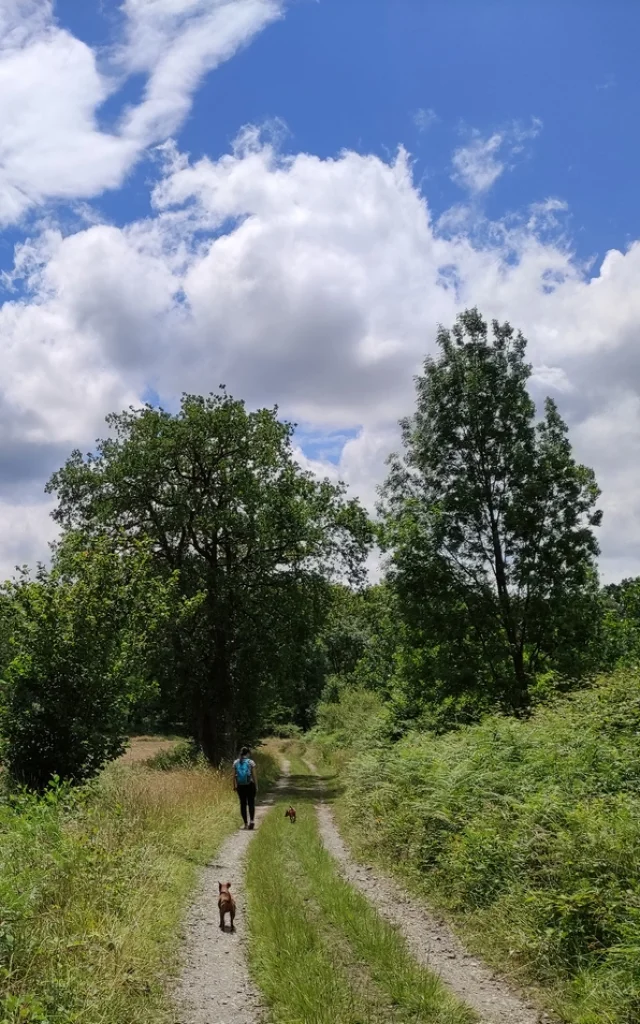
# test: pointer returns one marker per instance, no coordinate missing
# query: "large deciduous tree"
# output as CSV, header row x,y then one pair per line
x,y
489,522
218,493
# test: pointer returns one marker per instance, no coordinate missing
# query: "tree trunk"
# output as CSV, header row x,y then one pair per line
x,y
212,735
520,692
216,733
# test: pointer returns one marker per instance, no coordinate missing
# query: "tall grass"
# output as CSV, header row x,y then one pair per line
x,y
528,834
93,884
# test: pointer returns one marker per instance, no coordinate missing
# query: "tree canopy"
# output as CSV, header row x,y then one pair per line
x,y
82,638
217,493
488,521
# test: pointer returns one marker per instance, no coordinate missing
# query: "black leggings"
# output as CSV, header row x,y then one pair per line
x,y
247,796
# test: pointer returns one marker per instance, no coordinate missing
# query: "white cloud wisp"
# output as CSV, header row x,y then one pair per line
x,y
478,165
52,88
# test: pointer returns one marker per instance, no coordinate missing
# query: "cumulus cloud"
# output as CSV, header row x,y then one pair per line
x,y
52,88
478,165
317,284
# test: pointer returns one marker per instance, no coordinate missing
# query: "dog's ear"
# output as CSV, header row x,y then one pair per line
x,y
219,886
228,885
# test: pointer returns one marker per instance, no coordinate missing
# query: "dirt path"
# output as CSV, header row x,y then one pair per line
x,y
214,987
432,943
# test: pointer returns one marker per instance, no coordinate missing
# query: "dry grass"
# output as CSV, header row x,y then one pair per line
x,y
93,886
141,748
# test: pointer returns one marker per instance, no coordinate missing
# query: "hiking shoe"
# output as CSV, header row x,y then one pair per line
x,y
251,826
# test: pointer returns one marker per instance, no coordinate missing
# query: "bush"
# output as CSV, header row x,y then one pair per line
x,y
528,832
287,731
356,721
184,754
80,638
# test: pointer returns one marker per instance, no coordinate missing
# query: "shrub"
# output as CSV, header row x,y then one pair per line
x,y
527,832
287,731
79,641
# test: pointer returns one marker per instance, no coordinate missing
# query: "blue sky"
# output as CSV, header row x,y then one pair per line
x,y
328,170
355,74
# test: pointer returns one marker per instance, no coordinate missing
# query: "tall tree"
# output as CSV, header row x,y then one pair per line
x,y
488,517
218,493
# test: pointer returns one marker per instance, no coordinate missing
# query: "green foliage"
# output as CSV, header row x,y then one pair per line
x,y
620,631
217,493
489,524
185,754
527,831
93,884
80,638
287,731
357,644
358,719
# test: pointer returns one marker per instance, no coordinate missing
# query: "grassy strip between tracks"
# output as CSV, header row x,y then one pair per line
x,y
319,951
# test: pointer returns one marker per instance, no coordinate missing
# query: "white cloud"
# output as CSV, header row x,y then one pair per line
x,y
323,295
25,536
425,118
176,42
52,90
478,165
551,378
545,214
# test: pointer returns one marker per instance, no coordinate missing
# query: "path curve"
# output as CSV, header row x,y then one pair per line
x,y
431,942
214,986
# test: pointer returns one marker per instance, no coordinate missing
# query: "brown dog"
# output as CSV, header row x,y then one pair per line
x,y
291,815
226,904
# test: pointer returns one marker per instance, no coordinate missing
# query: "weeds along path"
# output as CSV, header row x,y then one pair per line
x,y
320,953
431,943
325,941
214,986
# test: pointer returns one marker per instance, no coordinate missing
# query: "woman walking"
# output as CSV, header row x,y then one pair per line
x,y
245,783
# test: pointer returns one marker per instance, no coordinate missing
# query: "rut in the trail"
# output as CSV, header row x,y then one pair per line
x,y
214,986
432,943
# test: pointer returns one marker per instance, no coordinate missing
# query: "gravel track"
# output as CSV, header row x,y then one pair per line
x,y
431,942
214,986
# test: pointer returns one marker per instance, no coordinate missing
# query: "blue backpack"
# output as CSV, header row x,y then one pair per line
x,y
243,772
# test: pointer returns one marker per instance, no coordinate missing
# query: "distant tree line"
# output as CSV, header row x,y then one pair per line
x,y
205,583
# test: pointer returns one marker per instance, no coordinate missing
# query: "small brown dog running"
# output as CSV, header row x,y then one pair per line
x,y
291,815
226,904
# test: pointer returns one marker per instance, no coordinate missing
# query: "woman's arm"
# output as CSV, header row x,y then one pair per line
x,y
254,776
